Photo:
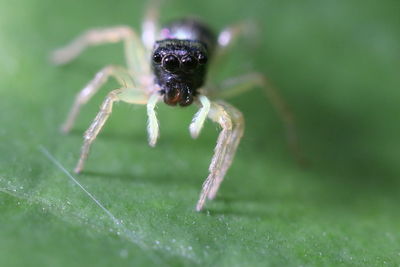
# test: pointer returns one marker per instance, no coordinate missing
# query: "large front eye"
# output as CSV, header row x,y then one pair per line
x,y
189,63
171,63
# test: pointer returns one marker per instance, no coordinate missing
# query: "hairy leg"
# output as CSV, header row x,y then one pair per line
x,y
226,40
152,124
127,95
134,51
228,36
150,24
241,84
232,123
120,74
199,118
234,140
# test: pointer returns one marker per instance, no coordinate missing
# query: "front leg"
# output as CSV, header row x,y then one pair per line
x,y
199,118
232,123
152,124
241,84
232,144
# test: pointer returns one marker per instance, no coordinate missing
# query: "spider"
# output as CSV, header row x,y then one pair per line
x,y
170,65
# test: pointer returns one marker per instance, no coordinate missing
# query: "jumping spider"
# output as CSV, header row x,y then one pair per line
x,y
170,65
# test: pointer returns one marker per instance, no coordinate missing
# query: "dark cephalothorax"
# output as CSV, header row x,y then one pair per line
x,y
180,60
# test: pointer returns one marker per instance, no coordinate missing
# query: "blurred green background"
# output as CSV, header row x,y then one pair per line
x,y
336,62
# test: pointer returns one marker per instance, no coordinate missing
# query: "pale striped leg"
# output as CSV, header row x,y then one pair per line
x,y
126,95
226,40
241,84
135,53
199,118
228,36
150,24
152,124
232,123
119,73
234,140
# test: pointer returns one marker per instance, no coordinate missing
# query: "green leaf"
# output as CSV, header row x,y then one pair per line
x,y
336,63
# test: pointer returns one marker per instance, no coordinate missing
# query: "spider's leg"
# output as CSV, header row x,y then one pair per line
x,y
150,24
119,73
226,40
236,135
199,118
129,95
241,84
135,53
232,123
152,124
228,36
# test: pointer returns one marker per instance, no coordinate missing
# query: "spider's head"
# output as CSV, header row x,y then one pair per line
x,y
180,68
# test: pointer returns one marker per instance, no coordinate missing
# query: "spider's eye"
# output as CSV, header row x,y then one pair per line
x,y
157,58
189,63
202,58
171,63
